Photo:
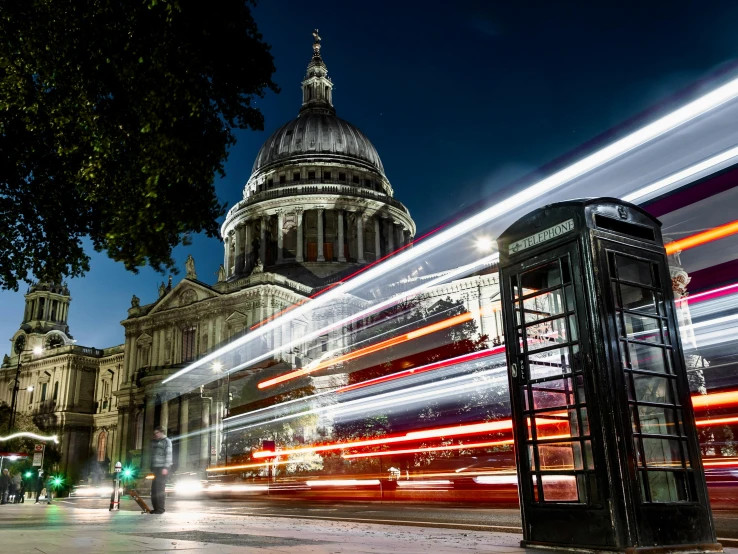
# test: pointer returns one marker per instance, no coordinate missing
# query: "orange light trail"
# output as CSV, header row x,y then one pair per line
x,y
716,421
430,449
715,399
434,327
703,238
458,430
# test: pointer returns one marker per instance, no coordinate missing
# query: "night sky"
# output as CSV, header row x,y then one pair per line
x,y
459,98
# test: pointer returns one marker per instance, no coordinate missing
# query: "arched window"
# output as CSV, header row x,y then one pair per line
x,y
102,444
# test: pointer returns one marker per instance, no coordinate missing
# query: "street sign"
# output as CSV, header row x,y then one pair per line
x,y
37,459
212,451
38,447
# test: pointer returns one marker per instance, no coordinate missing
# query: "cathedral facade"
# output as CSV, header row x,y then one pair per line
x,y
317,207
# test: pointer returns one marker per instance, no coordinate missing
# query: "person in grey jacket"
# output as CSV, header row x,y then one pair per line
x,y
161,461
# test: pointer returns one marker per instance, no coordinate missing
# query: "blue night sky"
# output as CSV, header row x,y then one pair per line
x,y
459,98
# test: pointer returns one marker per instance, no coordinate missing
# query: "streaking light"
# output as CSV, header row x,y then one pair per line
x,y
53,438
430,449
703,238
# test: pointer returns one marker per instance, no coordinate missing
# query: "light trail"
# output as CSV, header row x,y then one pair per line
x,y
422,369
715,399
716,421
709,294
691,171
423,331
53,438
430,449
710,235
640,137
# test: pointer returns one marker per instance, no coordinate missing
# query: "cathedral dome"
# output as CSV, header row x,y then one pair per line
x,y
318,135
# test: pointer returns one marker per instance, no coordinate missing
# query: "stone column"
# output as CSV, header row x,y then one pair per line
x,y
341,252
226,256
247,246
280,236
299,254
262,239
205,434
148,432
164,414
390,239
237,252
321,238
155,348
377,240
360,237
184,424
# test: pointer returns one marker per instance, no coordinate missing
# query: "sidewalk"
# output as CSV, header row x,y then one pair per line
x,y
63,528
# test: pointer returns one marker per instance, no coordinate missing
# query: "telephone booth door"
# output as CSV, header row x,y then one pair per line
x,y
551,393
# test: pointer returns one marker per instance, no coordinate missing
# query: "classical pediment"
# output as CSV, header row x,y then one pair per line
x,y
186,292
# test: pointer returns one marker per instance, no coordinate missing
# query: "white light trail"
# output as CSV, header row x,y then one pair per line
x,y
53,438
648,133
691,171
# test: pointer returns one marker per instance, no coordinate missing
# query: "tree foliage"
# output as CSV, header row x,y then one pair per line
x,y
115,118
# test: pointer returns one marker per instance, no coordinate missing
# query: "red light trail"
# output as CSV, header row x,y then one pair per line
x,y
703,238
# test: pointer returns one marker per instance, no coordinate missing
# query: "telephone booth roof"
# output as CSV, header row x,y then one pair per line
x,y
561,221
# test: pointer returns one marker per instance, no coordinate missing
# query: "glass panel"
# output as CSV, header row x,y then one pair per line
x,y
589,458
581,393
649,358
555,425
514,285
638,298
541,278
631,269
641,327
531,459
657,421
653,389
558,455
542,335
524,394
559,488
569,293
662,452
534,485
552,394
585,421
667,486
548,364
565,273
544,305
573,327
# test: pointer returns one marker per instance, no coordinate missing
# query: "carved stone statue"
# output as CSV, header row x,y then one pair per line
x,y
258,267
221,274
135,302
190,267
162,289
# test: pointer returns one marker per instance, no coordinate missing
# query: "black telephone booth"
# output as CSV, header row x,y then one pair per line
x,y
605,439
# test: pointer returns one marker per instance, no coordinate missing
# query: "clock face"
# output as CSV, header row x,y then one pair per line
x,y
20,344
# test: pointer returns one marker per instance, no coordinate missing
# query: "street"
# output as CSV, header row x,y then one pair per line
x,y
85,525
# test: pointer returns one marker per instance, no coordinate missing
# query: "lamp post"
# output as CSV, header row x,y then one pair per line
x,y
19,350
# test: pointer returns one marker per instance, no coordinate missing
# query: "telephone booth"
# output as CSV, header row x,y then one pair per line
x,y
605,438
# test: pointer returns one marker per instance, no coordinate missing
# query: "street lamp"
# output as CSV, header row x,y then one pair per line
x,y
19,348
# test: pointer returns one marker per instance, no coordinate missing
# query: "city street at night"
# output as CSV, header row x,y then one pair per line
x,y
84,525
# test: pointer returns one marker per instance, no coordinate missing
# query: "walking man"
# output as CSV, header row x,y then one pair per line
x,y
40,485
161,461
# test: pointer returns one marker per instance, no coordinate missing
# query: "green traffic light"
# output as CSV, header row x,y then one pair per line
x,y
128,472
28,474
56,481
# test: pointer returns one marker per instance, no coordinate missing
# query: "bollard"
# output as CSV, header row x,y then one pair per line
x,y
115,496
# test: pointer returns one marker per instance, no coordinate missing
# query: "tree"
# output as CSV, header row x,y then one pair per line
x,y
115,118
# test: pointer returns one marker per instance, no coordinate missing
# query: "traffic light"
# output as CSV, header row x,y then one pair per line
x,y
28,474
127,473
57,481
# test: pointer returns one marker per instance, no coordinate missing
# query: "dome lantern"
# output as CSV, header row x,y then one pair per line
x,y
317,87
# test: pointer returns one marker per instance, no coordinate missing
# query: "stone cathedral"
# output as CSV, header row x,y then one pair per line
x,y
317,207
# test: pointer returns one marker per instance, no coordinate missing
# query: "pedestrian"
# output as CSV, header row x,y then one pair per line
x,y
161,461
4,486
40,486
13,490
20,498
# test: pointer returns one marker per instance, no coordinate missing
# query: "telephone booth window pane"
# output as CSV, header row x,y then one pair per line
x,y
560,455
653,389
556,426
667,486
658,420
553,394
543,335
649,358
549,363
560,488
634,270
642,328
544,305
544,277
639,299
662,453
